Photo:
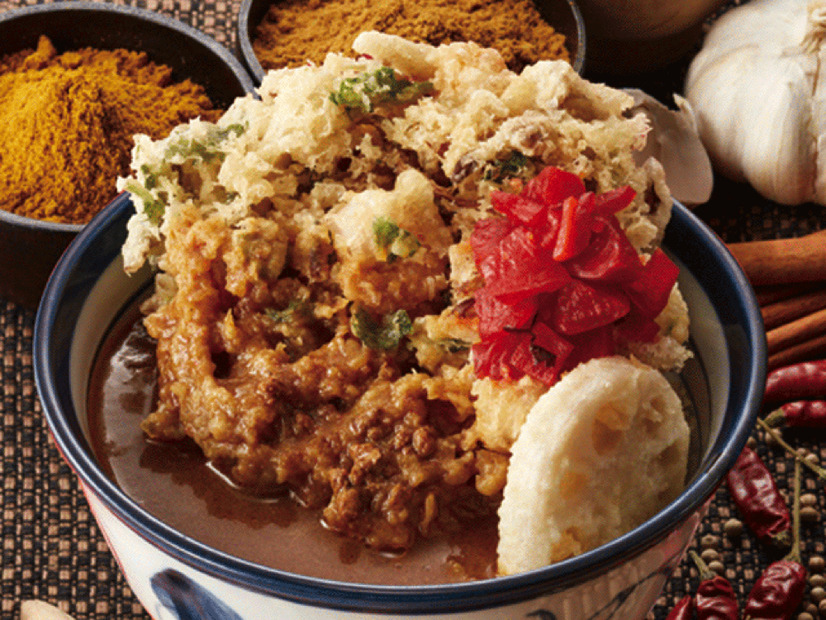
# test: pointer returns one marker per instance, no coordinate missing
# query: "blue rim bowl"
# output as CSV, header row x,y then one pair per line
x,y
727,331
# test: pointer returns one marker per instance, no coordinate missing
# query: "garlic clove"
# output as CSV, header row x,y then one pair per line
x,y
675,143
817,20
778,154
41,610
717,106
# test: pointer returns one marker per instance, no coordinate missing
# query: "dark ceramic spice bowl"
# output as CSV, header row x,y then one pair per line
x,y
563,15
174,573
29,248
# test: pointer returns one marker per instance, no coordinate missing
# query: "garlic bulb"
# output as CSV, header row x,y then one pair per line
x,y
757,88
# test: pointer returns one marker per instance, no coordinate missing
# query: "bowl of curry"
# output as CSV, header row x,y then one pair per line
x,y
342,372
79,80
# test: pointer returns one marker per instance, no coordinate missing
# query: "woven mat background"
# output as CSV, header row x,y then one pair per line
x,y
51,546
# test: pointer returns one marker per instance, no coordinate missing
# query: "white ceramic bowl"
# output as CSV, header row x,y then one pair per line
x,y
175,576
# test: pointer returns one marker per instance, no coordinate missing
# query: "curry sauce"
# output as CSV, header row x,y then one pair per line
x,y
273,531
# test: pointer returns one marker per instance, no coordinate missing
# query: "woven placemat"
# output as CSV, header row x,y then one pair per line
x,y
217,18
52,549
51,546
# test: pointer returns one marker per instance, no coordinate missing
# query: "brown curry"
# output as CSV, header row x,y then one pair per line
x,y
272,531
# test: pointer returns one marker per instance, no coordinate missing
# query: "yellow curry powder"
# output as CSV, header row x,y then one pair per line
x,y
67,123
295,31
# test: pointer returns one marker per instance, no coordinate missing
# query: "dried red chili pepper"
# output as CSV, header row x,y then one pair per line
x,y
779,590
804,380
753,489
715,598
799,414
683,610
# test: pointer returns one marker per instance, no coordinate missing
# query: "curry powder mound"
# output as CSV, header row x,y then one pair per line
x,y
295,31
67,124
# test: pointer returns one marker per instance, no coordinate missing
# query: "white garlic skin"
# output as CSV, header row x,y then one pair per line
x,y
757,90
675,143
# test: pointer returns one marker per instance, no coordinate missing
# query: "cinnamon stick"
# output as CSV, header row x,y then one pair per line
x,y
773,293
789,309
801,352
783,261
797,331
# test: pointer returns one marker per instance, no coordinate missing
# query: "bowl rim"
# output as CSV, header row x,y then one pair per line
x,y
738,422
244,40
24,221
157,19
578,61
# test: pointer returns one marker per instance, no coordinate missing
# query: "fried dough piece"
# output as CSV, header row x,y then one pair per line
x,y
602,451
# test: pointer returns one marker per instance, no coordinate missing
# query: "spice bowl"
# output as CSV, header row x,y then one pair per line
x,y
636,36
563,15
30,247
176,575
